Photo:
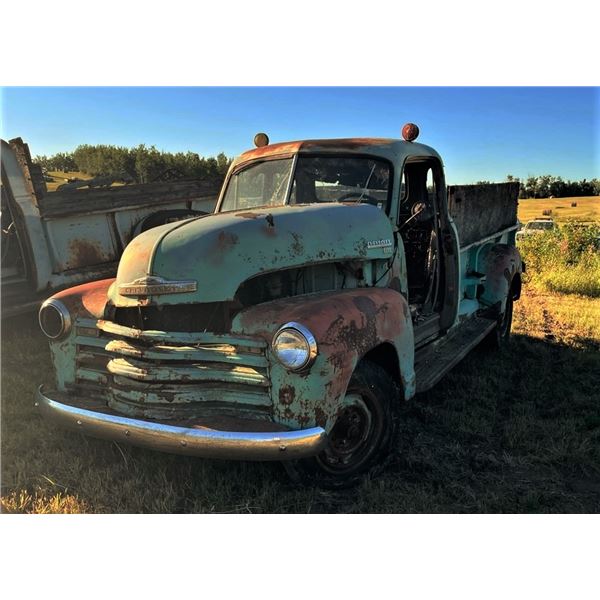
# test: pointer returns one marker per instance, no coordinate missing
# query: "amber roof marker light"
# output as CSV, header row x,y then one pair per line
x,y
410,132
261,139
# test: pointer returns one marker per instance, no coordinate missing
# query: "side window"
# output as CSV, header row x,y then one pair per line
x,y
418,192
402,187
431,189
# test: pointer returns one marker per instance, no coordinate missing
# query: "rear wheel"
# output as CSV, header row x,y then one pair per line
x,y
501,333
362,433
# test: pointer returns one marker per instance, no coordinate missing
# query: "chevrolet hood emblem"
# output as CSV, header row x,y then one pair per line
x,y
153,286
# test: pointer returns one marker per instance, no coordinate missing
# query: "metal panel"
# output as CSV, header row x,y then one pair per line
x,y
81,242
479,211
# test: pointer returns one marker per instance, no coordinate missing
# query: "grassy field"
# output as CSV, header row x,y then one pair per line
x,y
60,177
587,209
514,431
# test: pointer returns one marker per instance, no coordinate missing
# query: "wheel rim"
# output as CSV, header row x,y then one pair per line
x,y
353,438
506,318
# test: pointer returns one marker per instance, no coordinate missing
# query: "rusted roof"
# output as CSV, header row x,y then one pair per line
x,y
386,147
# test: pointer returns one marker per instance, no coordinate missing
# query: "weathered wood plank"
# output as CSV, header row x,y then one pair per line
x,y
64,203
483,209
34,178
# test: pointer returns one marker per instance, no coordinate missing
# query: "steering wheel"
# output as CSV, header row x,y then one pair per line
x,y
366,197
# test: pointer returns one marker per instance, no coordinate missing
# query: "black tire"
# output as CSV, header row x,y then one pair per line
x,y
361,436
501,333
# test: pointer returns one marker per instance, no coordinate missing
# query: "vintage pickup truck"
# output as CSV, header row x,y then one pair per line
x,y
335,279
53,240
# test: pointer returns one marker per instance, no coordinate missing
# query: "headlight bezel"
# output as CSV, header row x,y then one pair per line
x,y
64,315
310,340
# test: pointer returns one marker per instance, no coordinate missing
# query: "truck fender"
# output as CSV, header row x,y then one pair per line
x,y
85,303
503,268
87,300
347,325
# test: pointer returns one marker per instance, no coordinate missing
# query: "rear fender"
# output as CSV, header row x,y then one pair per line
x,y
503,268
346,325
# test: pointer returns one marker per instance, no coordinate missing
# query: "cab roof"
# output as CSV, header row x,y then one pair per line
x,y
392,149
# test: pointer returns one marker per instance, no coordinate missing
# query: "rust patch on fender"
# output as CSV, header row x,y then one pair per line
x,y
297,246
249,215
287,395
226,241
320,416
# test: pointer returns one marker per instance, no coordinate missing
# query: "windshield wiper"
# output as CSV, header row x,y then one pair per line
x,y
367,183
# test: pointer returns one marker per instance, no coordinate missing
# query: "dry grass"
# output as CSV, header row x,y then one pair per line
x,y
61,177
513,431
587,209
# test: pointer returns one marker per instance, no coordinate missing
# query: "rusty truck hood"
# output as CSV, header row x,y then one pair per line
x,y
220,251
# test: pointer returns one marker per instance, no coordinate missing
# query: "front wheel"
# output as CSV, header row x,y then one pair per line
x,y
362,433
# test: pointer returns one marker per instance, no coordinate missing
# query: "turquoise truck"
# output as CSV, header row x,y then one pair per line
x,y
334,280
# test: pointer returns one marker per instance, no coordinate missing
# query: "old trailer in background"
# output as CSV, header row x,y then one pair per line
x,y
53,240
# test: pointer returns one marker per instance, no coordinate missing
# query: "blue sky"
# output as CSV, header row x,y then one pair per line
x,y
482,133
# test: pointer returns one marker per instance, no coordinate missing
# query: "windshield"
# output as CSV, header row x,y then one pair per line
x,y
260,184
316,179
540,225
341,179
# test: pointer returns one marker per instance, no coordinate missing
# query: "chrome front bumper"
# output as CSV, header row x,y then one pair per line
x,y
207,443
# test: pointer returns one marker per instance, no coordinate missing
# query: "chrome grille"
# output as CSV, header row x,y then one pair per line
x,y
173,374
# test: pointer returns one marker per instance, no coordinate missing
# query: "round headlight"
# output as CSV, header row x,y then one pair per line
x,y
54,319
294,346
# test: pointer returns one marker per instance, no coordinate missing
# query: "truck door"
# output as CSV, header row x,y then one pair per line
x,y
419,227
422,222
431,248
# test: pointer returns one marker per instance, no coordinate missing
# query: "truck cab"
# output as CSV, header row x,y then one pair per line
x,y
335,280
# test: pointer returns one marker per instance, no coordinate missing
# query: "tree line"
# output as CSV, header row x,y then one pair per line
x,y
544,186
142,164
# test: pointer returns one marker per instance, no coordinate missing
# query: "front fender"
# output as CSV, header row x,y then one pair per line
x,y
85,304
87,300
346,325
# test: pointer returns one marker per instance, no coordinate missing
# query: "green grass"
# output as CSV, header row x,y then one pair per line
x,y
565,260
514,431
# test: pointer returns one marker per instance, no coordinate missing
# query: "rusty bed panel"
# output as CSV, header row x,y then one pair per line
x,y
481,210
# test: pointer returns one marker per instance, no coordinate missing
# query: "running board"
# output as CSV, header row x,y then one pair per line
x,y
433,361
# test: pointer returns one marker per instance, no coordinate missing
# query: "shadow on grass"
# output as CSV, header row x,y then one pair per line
x,y
513,431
